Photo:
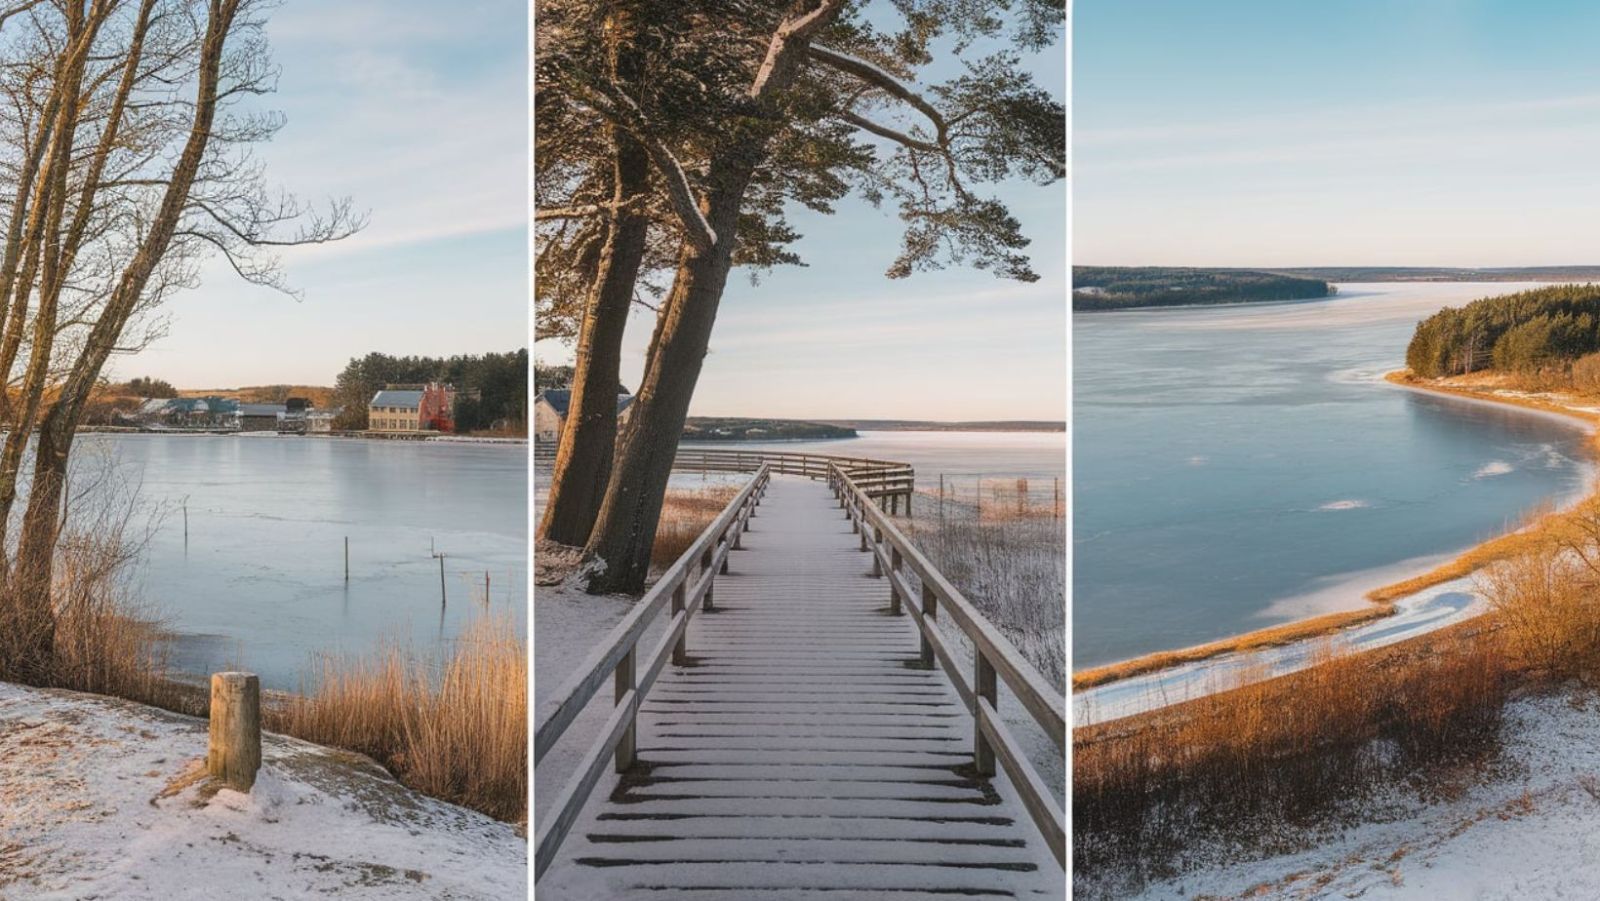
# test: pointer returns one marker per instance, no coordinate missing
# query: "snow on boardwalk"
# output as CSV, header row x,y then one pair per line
x,y
798,755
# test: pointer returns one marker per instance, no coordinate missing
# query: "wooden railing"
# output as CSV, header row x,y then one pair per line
x,y
993,656
884,480
686,585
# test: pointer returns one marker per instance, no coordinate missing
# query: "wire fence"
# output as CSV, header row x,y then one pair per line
x,y
992,497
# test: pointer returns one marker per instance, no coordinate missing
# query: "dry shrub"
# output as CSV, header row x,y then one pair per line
x,y
684,515
1545,599
1586,374
1243,767
457,731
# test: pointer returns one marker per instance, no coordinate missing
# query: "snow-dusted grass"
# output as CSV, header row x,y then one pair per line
x,y
102,798
1010,563
1529,829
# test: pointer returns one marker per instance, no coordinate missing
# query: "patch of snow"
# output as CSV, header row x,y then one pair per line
x,y
1491,469
103,798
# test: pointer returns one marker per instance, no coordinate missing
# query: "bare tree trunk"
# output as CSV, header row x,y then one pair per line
x,y
41,524
588,439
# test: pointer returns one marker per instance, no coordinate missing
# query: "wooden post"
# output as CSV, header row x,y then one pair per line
x,y
186,522
705,566
877,538
486,588
930,612
894,570
234,753
983,686
623,683
680,651
347,558
442,600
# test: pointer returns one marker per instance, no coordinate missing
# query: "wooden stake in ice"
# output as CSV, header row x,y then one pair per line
x,y
234,754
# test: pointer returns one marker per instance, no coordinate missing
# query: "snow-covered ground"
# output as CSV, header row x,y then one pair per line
x,y
1530,830
102,798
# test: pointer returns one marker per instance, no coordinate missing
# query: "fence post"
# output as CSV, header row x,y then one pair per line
x,y
624,682
680,650
983,687
877,539
233,754
930,612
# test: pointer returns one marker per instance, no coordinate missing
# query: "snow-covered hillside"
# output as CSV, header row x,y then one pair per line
x,y
1529,829
101,798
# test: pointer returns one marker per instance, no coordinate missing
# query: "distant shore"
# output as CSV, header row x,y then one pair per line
x,y
1383,598
371,436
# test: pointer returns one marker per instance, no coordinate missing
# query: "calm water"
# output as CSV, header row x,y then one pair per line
x,y
261,582
1236,467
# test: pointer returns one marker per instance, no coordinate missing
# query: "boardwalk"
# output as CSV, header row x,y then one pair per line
x,y
800,752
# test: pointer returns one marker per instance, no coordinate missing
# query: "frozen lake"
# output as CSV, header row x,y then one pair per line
x,y
1241,466
260,583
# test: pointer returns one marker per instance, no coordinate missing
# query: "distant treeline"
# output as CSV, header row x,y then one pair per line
x,y
720,428
1447,274
1122,287
491,388
1545,329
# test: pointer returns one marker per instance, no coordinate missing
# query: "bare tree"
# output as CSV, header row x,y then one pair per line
x,y
133,165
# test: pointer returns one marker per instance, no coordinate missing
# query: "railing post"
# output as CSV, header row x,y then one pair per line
x,y
705,567
680,650
894,582
877,539
624,682
983,686
930,612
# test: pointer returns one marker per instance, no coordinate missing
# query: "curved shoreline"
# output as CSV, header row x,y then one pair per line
x,y
1383,598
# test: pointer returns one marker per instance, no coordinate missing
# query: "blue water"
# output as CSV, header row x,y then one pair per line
x,y
1241,466
260,584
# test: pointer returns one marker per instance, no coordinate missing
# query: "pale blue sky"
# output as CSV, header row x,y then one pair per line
x,y
838,339
1360,132
418,110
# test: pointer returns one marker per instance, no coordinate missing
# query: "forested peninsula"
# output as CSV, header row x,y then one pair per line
x,y
1128,287
1547,337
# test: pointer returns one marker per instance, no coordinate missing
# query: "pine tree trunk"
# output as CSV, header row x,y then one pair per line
x,y
626,528
588,439
617,557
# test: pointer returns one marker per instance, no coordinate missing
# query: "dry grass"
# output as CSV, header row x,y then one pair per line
x,y
455,730
685,513
1246,766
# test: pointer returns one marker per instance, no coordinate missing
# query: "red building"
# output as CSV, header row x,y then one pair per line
x,y
437,410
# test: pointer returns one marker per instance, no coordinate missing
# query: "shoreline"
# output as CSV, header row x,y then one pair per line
x,y
1384,598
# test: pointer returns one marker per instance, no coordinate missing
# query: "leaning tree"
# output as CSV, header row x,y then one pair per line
x,y
826,95
125,136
